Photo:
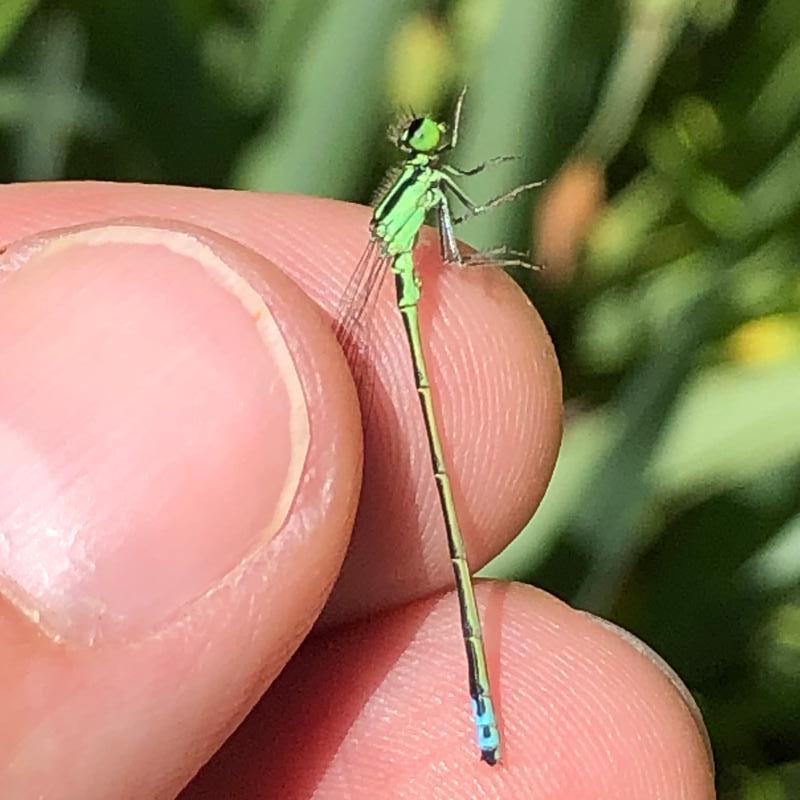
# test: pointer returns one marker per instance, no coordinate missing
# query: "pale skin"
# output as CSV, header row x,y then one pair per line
x,y
582,706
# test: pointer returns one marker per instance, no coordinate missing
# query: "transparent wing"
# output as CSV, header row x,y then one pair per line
x,y
354,315
448,246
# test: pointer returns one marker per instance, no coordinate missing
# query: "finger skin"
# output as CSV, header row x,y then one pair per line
x,y
134,712
495,377
379,709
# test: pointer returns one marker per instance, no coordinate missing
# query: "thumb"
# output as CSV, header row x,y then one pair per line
x,y
175,499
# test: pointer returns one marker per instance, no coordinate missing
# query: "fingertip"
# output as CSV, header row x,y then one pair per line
x,y
384,703
584,698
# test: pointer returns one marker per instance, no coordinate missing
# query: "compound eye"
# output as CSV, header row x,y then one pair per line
x,y
424,134
413,129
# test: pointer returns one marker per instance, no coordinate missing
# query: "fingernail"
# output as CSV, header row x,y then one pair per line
x,y
153,427
668,672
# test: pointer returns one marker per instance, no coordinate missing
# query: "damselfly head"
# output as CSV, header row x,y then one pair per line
x,y
418,134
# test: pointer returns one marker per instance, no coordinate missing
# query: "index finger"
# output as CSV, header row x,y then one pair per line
x,y
494,372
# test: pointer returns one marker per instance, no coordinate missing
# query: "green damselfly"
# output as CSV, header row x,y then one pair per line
x,y
420,185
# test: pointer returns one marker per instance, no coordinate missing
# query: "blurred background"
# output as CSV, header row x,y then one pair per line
x,y
669,132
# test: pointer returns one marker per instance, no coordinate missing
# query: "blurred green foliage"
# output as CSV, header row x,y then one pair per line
x,y
675,507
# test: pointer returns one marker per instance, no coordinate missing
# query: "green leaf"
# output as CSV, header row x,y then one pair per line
x,y
733,423
13,14
511,102
318,144
777,564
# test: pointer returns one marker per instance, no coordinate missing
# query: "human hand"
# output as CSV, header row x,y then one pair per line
x,y
179,472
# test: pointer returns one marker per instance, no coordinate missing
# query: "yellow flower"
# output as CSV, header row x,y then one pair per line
x,y
766,339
